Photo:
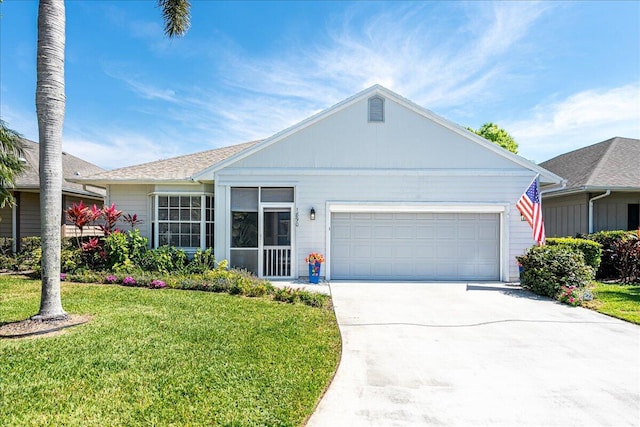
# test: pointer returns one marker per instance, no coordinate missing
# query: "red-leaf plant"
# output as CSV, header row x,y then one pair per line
x,y
81,216
110,215
132,220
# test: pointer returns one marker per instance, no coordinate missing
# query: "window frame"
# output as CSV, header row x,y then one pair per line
x,y
206,209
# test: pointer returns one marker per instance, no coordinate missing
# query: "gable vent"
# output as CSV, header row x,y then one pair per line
x,y
376,109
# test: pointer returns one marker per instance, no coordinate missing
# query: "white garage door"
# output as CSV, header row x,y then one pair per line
x,y
415,246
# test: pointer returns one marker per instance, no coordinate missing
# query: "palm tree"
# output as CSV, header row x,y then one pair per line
x,y
11,149
50,108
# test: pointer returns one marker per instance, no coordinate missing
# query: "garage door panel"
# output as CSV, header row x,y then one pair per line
x,y
383,231
362,232
447,230
404,231
425,232
403,253
415,246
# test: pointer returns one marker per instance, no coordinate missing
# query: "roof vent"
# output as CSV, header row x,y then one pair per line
x,y
77,173
376,109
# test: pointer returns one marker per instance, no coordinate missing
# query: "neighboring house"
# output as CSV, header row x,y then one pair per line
x,y
384,188
23,219
602,191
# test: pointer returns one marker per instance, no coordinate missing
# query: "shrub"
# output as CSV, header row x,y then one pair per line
x,y
607,240
138,245
6,246
30,255
202,261
70,259
7,262
548,268
313,299
627,259
116,248
164,259
288,295
590,249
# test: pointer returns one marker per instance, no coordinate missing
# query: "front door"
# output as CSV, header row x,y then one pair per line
x,y
276,242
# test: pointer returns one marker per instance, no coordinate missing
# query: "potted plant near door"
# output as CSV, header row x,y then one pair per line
x,y
315,261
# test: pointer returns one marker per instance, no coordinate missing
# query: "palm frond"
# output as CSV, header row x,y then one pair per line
x,y
10,141
176,15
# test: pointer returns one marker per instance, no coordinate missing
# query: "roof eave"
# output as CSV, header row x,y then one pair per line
x,y
590,189
140,181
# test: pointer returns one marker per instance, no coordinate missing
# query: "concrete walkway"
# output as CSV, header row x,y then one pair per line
x,y
420,354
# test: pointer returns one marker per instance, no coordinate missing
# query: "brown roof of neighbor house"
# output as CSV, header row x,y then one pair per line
x,y
611,164
179,168
72,167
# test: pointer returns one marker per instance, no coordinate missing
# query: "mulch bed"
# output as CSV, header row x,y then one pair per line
x,y
37,328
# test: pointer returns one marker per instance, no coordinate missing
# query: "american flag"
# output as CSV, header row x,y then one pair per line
x,y
531,209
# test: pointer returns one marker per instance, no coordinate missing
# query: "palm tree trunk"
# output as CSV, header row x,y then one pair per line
x,y
50,107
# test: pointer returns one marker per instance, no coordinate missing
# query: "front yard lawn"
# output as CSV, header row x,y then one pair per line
x,y
621,301
165,357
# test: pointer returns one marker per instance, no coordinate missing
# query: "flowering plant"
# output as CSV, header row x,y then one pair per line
x,y
314,257
111,279
63,276
129,281
157,284
569,295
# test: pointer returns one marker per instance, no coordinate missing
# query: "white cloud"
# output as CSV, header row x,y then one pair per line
x,y
582,119
26,124
117,149
434,63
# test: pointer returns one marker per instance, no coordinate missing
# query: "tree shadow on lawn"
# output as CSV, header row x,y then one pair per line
x,y
627,293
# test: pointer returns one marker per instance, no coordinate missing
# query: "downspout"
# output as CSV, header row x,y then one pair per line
x,y
608,192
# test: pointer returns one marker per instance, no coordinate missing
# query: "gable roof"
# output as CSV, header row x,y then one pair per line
x,y
546,177
72,167
608,165
173,170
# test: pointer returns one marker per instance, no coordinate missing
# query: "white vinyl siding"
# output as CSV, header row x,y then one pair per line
x,y
347,140
133,199
415,246
399,188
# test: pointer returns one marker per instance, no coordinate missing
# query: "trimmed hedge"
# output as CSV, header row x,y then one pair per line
x,y
547,269
589,249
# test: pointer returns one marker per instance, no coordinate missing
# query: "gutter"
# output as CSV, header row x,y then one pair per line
x,y
554,187
608,192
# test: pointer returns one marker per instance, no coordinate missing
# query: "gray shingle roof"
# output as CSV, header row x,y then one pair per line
x,y
614,163
72,167
174,169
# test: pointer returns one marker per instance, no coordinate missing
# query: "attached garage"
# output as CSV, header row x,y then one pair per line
x,y
415,246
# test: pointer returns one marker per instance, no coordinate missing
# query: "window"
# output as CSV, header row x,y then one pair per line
x,y
185,221
376,109
244,228
633,216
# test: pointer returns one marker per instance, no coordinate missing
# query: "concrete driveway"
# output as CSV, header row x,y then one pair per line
x,y
419,354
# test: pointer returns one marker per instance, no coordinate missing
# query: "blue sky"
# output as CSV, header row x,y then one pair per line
x,y
557,75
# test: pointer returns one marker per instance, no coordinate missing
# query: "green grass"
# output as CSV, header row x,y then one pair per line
x,y
621,301
165,357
